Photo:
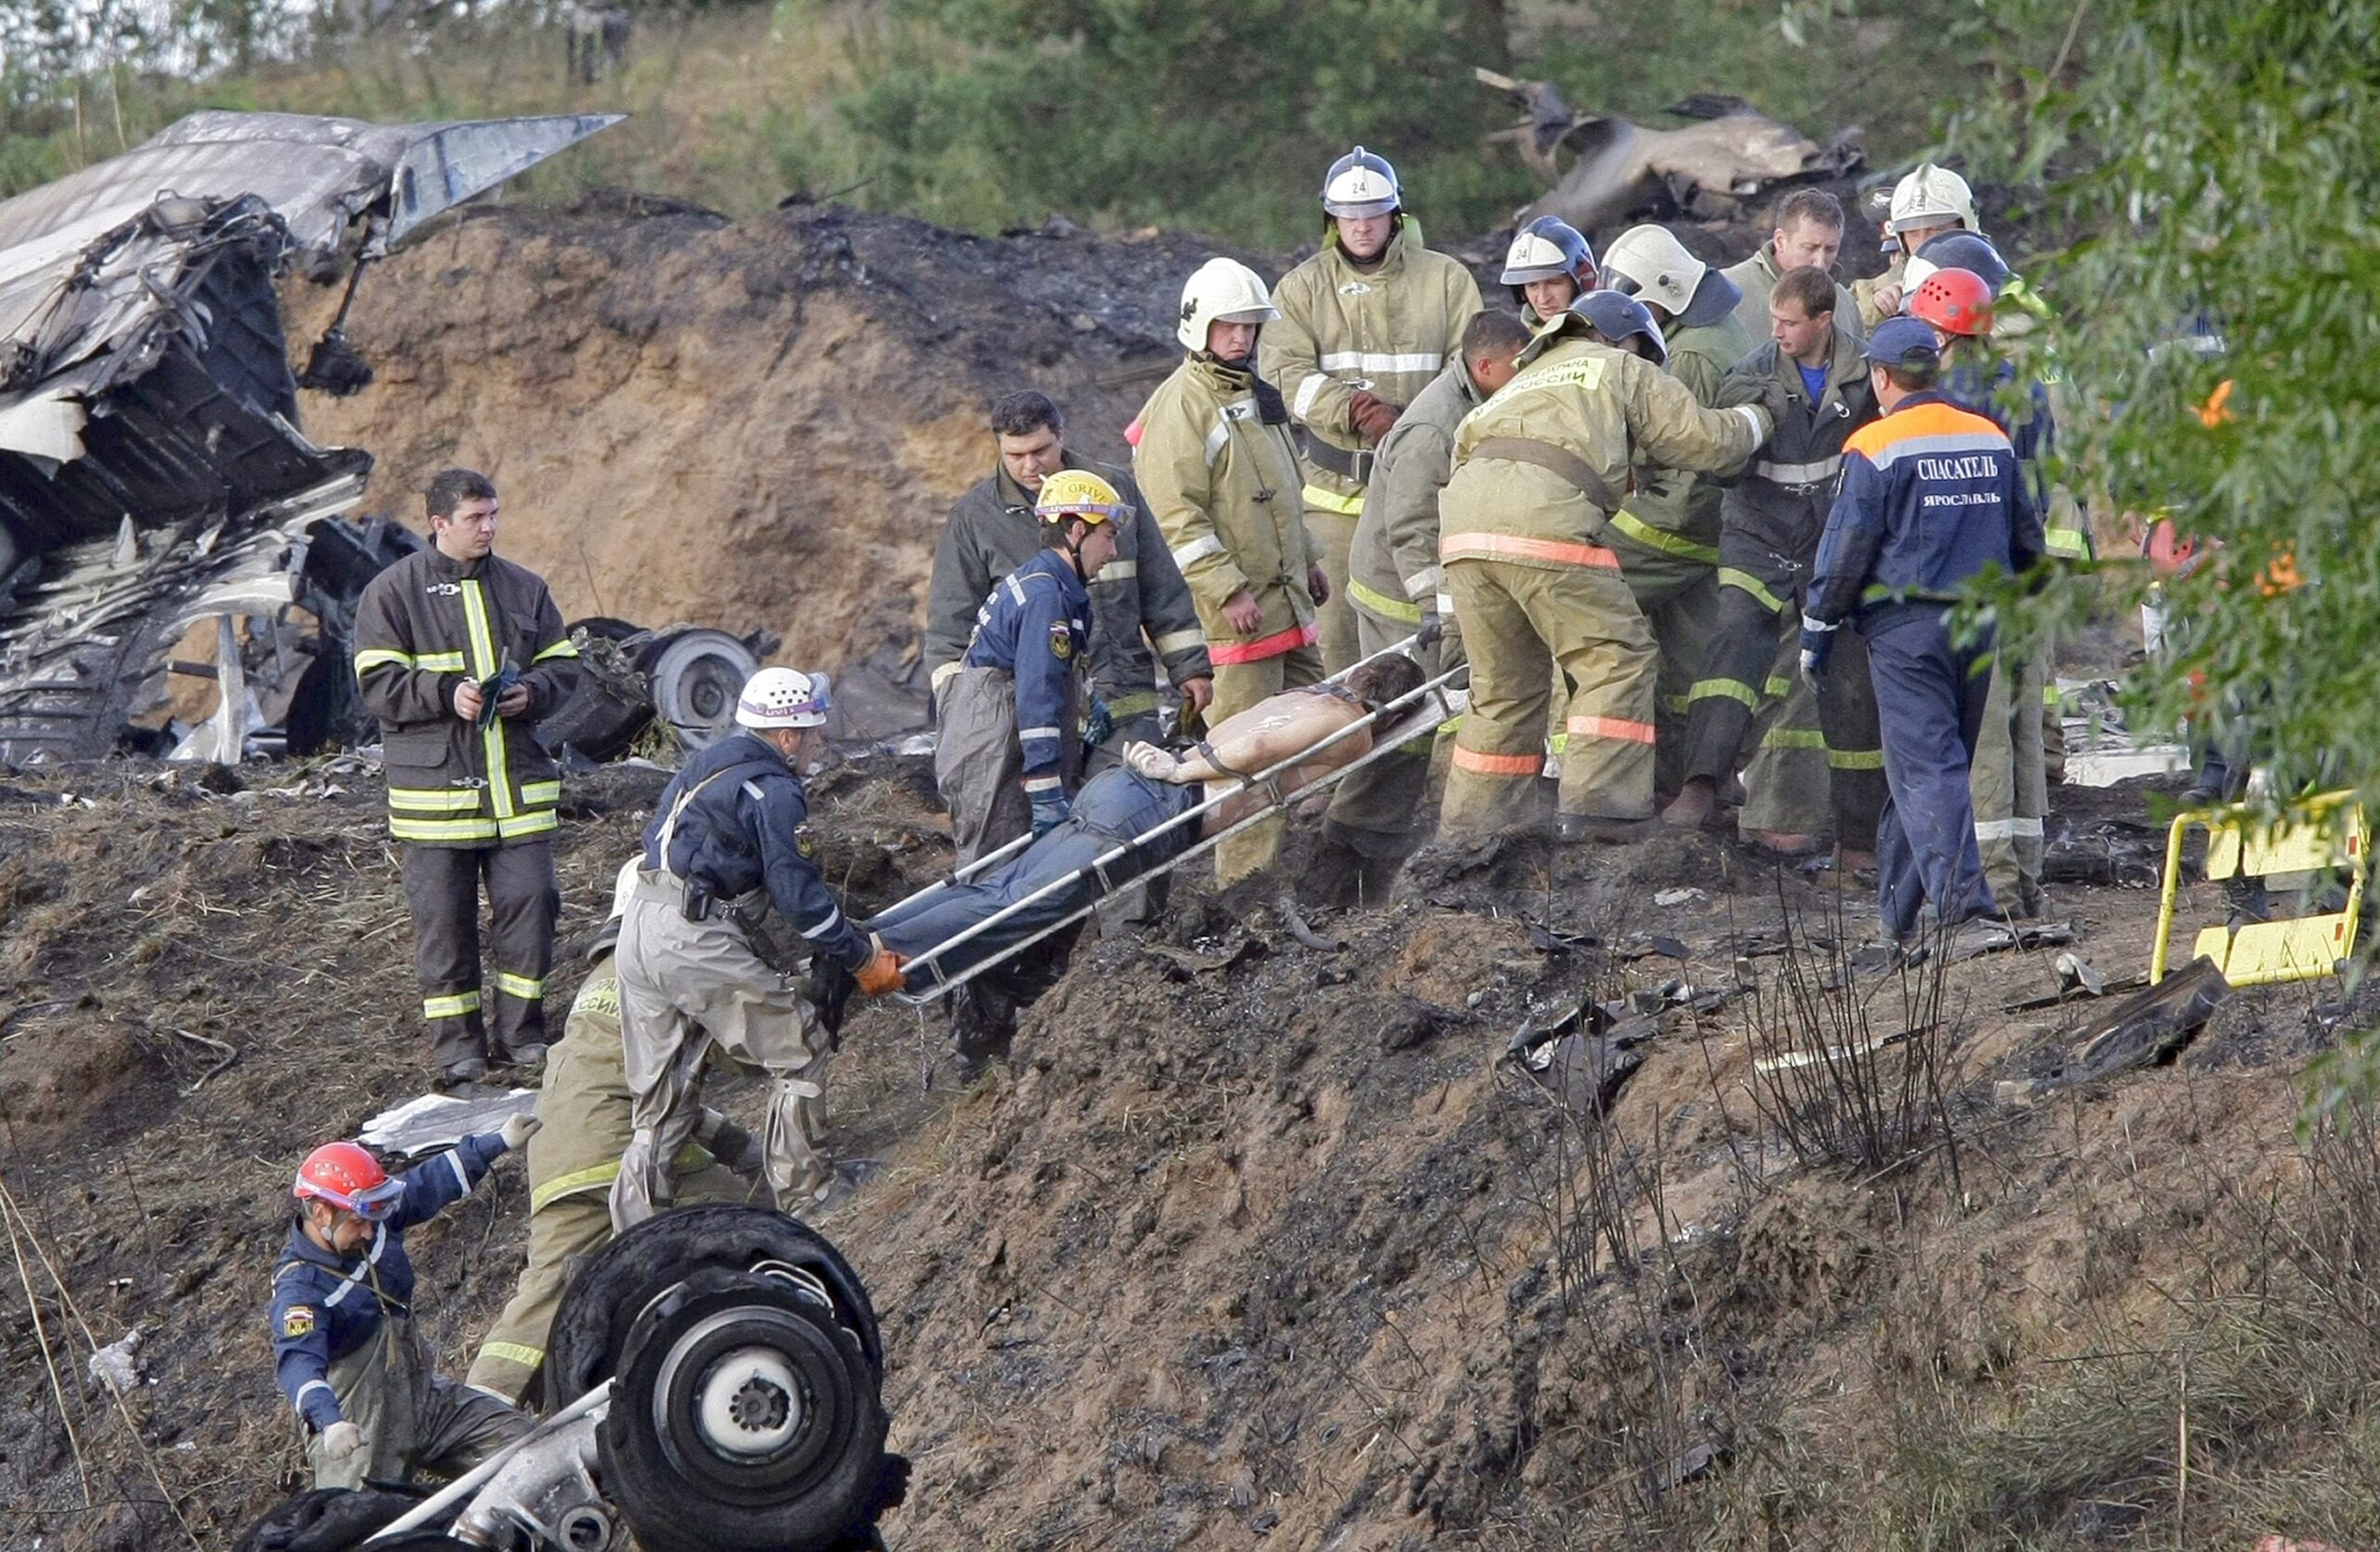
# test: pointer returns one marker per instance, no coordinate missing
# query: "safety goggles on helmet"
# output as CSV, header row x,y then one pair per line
x,y
375,1203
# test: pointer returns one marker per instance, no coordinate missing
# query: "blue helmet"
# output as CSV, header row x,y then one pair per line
x,y
1547,247
1969,251
1618,317
1361,184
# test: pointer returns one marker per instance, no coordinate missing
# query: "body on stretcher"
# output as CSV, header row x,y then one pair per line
x,y
1129,828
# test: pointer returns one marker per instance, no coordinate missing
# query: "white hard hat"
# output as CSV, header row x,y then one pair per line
x,y
1360,184
622,886
783,697
1930,196
1222,291
1652,264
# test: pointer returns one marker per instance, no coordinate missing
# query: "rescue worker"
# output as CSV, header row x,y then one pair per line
x,y
574,1157
1931,498
1549,266
1525,523
1815,385
1399,589
1364,325
1808,232
2010,773
1009,751
1141,613
727,840
459,652
1666,534
345,1349
1216,463
1927,201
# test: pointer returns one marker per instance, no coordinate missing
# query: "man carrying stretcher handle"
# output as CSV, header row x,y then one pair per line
x,y
1121,805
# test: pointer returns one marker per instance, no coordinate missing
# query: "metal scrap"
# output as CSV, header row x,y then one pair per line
x,y
2149,1027
1616,170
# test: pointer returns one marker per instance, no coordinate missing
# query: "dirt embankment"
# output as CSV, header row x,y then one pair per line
x,y
1254,1240
756,424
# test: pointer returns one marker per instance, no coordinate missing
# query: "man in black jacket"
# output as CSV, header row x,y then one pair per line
x,y
459,653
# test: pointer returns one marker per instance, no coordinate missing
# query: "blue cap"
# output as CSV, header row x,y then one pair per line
x,y
1903,342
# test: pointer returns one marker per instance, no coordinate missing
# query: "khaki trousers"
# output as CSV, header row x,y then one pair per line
x,y
412,1419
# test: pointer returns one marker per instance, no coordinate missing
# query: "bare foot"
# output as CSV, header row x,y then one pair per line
x,y
1691,808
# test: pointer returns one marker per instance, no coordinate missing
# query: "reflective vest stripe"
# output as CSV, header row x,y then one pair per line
x,y
1481,763
1263,647
1324,502
1380,603
442,830
434,799
1490,546
1611,727
1662,540
526,988
562,648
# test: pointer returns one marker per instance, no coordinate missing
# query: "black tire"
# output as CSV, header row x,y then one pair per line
x,y
745,1419
607,1294
695,676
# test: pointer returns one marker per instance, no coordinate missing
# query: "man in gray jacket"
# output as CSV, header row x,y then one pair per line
x,y
1394,581
1141,610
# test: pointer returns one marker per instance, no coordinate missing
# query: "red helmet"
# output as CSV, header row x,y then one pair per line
x,y
348,1177
1956,301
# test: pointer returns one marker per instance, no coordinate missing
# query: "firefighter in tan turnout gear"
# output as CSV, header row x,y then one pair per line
x,y
1216,464
1928,202
1540,470
1365,325
459,652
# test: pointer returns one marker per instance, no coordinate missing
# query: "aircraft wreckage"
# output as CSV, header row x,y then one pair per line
x,y
157,495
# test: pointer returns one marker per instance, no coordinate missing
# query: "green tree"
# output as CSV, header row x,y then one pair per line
x,y
2213,177
1217,114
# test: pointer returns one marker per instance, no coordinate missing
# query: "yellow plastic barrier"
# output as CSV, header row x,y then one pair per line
x,y
2330,835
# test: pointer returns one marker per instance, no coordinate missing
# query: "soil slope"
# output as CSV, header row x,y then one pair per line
x,y
1253,1238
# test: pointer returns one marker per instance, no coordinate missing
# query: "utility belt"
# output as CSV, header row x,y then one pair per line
x,y
765,933
1356,465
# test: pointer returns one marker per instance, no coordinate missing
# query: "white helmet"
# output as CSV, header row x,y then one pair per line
x,y
1222,291
1360,184
1930,196
783,697
622,886
1649,263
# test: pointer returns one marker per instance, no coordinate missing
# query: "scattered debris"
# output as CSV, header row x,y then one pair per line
x,y
1181,965
1786,1061
155,487
1678,896
2149,1027
2079,975
436,1120
1618,170
2111,852
1551,940
117,1365
1303,934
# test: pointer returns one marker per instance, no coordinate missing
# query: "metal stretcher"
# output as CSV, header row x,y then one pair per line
x,y
1416,714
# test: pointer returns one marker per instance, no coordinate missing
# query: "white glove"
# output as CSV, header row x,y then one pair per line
x,y
343,1441
518,1129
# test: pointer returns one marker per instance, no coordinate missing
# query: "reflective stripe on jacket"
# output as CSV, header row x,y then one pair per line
x,y
1139,602
1388,330
1931,498
421,628
1224,484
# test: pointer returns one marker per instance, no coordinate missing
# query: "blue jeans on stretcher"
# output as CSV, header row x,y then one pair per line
x,y
1929,701
1116,806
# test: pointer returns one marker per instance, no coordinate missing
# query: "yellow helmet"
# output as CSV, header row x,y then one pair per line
x,y
1078,493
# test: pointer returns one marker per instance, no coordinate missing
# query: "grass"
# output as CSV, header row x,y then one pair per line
x,y
739,107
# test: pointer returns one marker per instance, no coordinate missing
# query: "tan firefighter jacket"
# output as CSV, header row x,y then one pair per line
x,y
1223,481
1540,467
1387,331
